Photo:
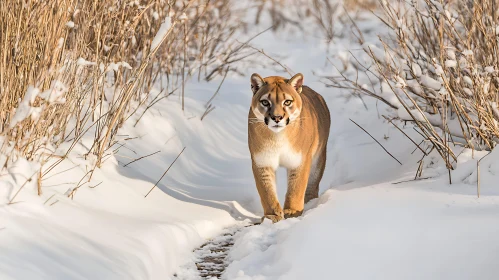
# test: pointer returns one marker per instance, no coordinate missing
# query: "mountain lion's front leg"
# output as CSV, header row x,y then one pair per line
x,y
265,183
297,185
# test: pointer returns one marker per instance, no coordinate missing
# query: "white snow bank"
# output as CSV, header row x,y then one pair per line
x,y
426,230
109,230
69,242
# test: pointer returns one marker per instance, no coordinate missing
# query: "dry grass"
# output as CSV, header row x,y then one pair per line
x,y
69,68
439,69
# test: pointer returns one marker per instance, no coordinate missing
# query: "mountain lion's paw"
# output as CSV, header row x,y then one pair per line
x,y
291,213
273,218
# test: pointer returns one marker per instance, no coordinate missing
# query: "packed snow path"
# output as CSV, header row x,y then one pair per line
x,y
211,258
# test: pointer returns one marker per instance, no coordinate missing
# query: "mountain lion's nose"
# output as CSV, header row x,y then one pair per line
x,y
276,118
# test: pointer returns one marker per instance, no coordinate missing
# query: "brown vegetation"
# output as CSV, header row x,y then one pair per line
x,y
441,66
69,68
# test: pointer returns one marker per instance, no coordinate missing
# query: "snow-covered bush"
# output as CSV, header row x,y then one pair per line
x,y
439,69
70,68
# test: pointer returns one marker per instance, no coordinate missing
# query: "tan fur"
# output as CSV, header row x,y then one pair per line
x,y
299,146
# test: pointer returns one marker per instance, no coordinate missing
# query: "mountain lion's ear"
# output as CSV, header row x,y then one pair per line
x,y
297,82
256,82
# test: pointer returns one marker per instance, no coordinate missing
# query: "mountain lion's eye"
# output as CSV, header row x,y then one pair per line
x,y
288,102
265,103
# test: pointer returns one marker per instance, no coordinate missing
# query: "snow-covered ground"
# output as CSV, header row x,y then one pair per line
x,y
371,221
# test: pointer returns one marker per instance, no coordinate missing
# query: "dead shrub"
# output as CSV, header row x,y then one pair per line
x,y
438,69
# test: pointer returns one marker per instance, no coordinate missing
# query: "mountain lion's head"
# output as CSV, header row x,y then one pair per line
x,y
276,100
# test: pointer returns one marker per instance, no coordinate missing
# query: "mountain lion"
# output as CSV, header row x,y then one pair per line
x,y
288,126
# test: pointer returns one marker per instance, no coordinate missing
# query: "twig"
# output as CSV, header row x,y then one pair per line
x,y
419,172
92,187
376,141
60,172
208,110
73,191
185,63
164,173
39,182
361,37
417,147
290,72
218,89
478,175
234,51
478,179
24,184
48,199
137,159
405,181
390,121
153,102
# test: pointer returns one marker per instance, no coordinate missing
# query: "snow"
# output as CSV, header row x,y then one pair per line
x,y
163,30
415,86
388,94
82,62
116,66
155,15
60,42
468,52
450,63
439,70
403,114
55,93
70,24
25,110
112,228
416,69
372,220
489,69
380,55
468,80
429,82
183,17
377,231
451,54
463,63
468,91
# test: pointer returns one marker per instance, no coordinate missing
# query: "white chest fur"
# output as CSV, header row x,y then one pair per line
x,y
278,154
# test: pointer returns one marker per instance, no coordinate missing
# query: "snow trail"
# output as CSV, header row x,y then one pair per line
x,y
211,258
